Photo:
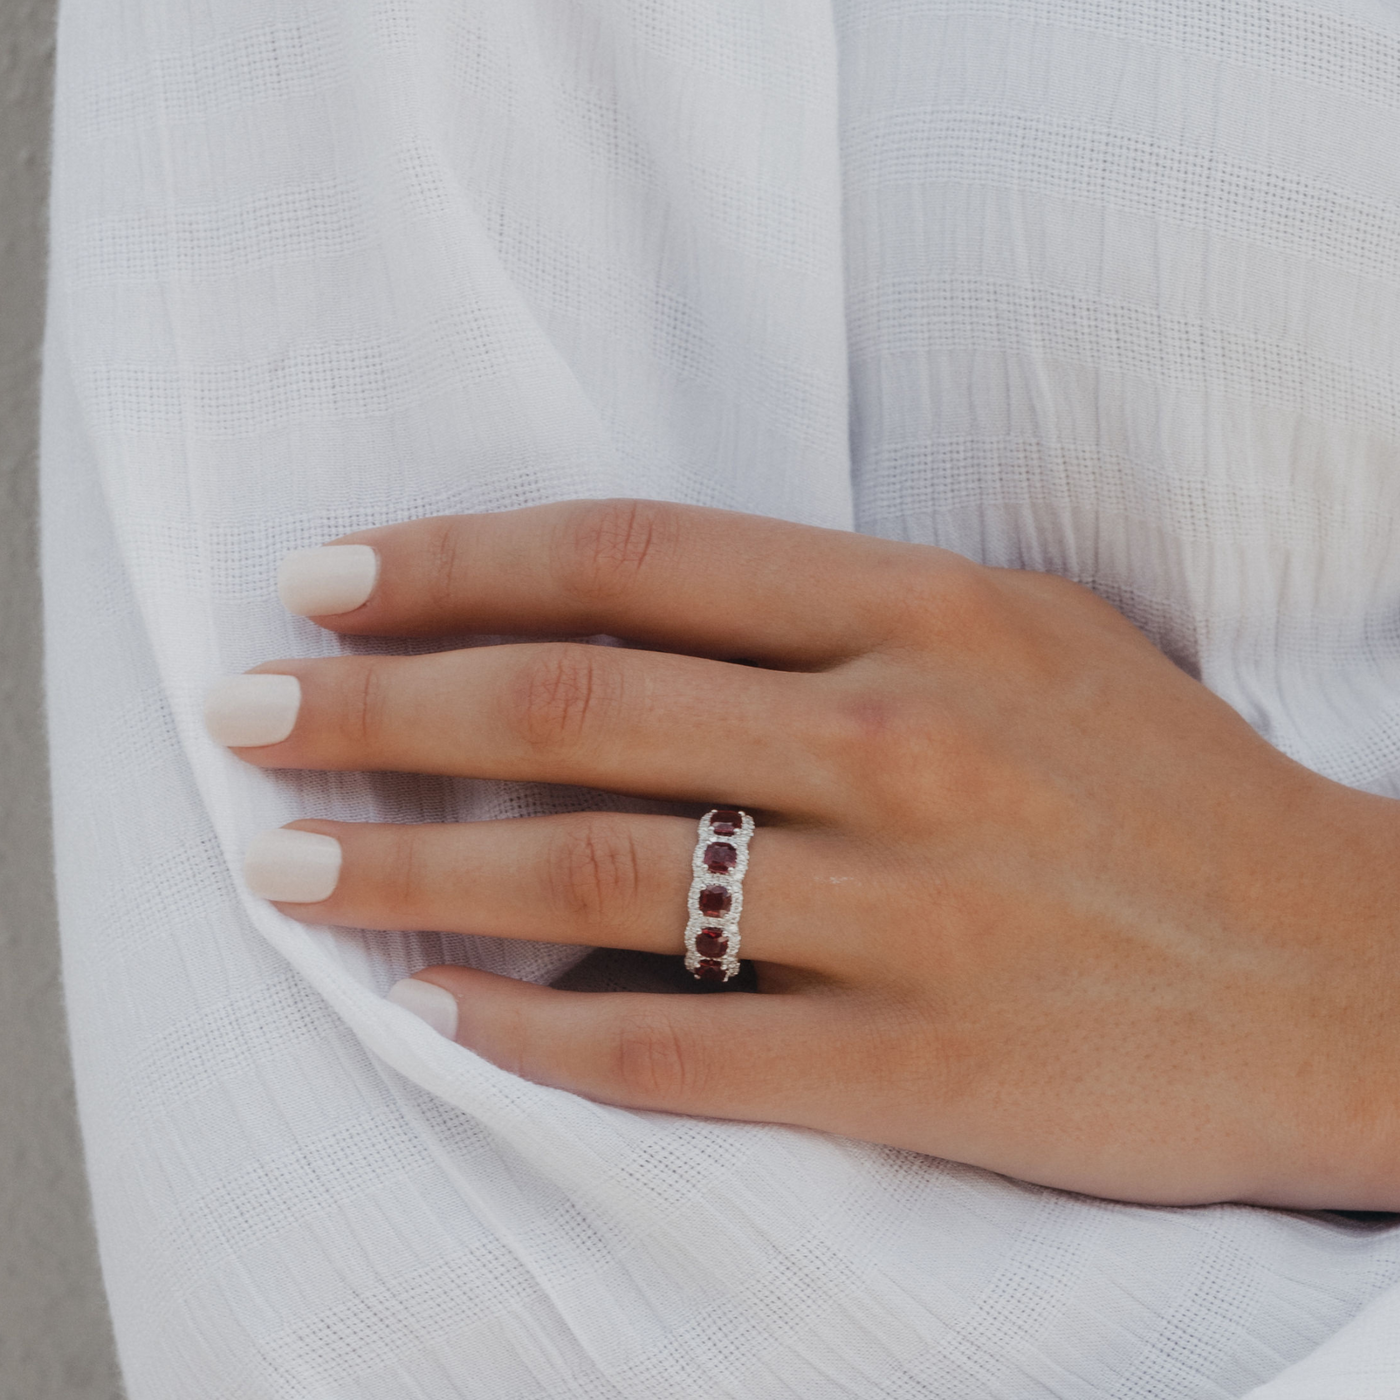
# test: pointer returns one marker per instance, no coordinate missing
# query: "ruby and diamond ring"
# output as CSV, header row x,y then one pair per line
x,y
717,894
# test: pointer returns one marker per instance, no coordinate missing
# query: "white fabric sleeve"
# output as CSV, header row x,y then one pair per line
x,y
319,266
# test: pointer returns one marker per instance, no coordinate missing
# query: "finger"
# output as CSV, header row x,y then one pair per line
x,y
710,582
649,723
734,1055
601,879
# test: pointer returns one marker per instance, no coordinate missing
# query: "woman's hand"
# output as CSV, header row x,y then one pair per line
x,y
1023,894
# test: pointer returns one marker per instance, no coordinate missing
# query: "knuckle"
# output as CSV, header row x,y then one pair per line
x,y
564,689
872,731
595,870
602,547
445,559
402,871
367,698
889,752
973,608
651,1062
956,601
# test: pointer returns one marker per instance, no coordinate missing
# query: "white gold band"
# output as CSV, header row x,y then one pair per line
x,y
717,894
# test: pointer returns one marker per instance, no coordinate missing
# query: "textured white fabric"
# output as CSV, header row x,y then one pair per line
x,y
1115,287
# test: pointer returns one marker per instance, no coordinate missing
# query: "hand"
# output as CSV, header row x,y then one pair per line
x,y
1023,894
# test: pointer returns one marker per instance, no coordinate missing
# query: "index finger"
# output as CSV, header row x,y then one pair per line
x,y
709,582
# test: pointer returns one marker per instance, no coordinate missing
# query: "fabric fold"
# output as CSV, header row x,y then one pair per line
x,y
895,267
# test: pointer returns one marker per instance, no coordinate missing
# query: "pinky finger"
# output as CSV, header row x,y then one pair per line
x,y
740,1055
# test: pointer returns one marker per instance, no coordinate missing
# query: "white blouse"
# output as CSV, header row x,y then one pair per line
x,y
1104,287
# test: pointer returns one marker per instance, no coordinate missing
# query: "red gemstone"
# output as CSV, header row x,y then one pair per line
x,y
726,823
720,857
711,943
714,901
710,971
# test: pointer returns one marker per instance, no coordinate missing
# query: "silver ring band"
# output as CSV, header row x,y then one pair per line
x,y
717,894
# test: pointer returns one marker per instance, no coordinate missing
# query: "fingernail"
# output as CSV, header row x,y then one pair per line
x,y
428,1002
246,712
333,578
293,867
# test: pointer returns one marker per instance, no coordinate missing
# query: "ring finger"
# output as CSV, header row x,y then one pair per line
x,y
600,879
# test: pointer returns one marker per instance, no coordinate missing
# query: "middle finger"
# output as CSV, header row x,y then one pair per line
x,y
649,723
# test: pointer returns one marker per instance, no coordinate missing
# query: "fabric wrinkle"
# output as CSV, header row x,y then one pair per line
x,y
1103,288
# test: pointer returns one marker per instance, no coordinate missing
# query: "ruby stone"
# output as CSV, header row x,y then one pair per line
x,y
720,857
711,943
726,823
714,901
710,971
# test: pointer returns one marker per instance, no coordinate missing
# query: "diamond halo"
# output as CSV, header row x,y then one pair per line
x,y
717,894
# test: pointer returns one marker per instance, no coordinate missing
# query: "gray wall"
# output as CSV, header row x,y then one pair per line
x,y
55,1339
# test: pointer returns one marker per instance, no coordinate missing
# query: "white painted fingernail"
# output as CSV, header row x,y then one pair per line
x,y
428,1002
246,712
333,578
293,867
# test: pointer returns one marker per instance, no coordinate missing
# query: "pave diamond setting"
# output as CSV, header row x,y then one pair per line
x,y
716,894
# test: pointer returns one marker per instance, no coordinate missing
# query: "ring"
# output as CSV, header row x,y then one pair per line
x,y
717,894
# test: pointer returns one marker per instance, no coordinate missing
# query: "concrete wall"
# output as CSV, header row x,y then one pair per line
x,y
55,1339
